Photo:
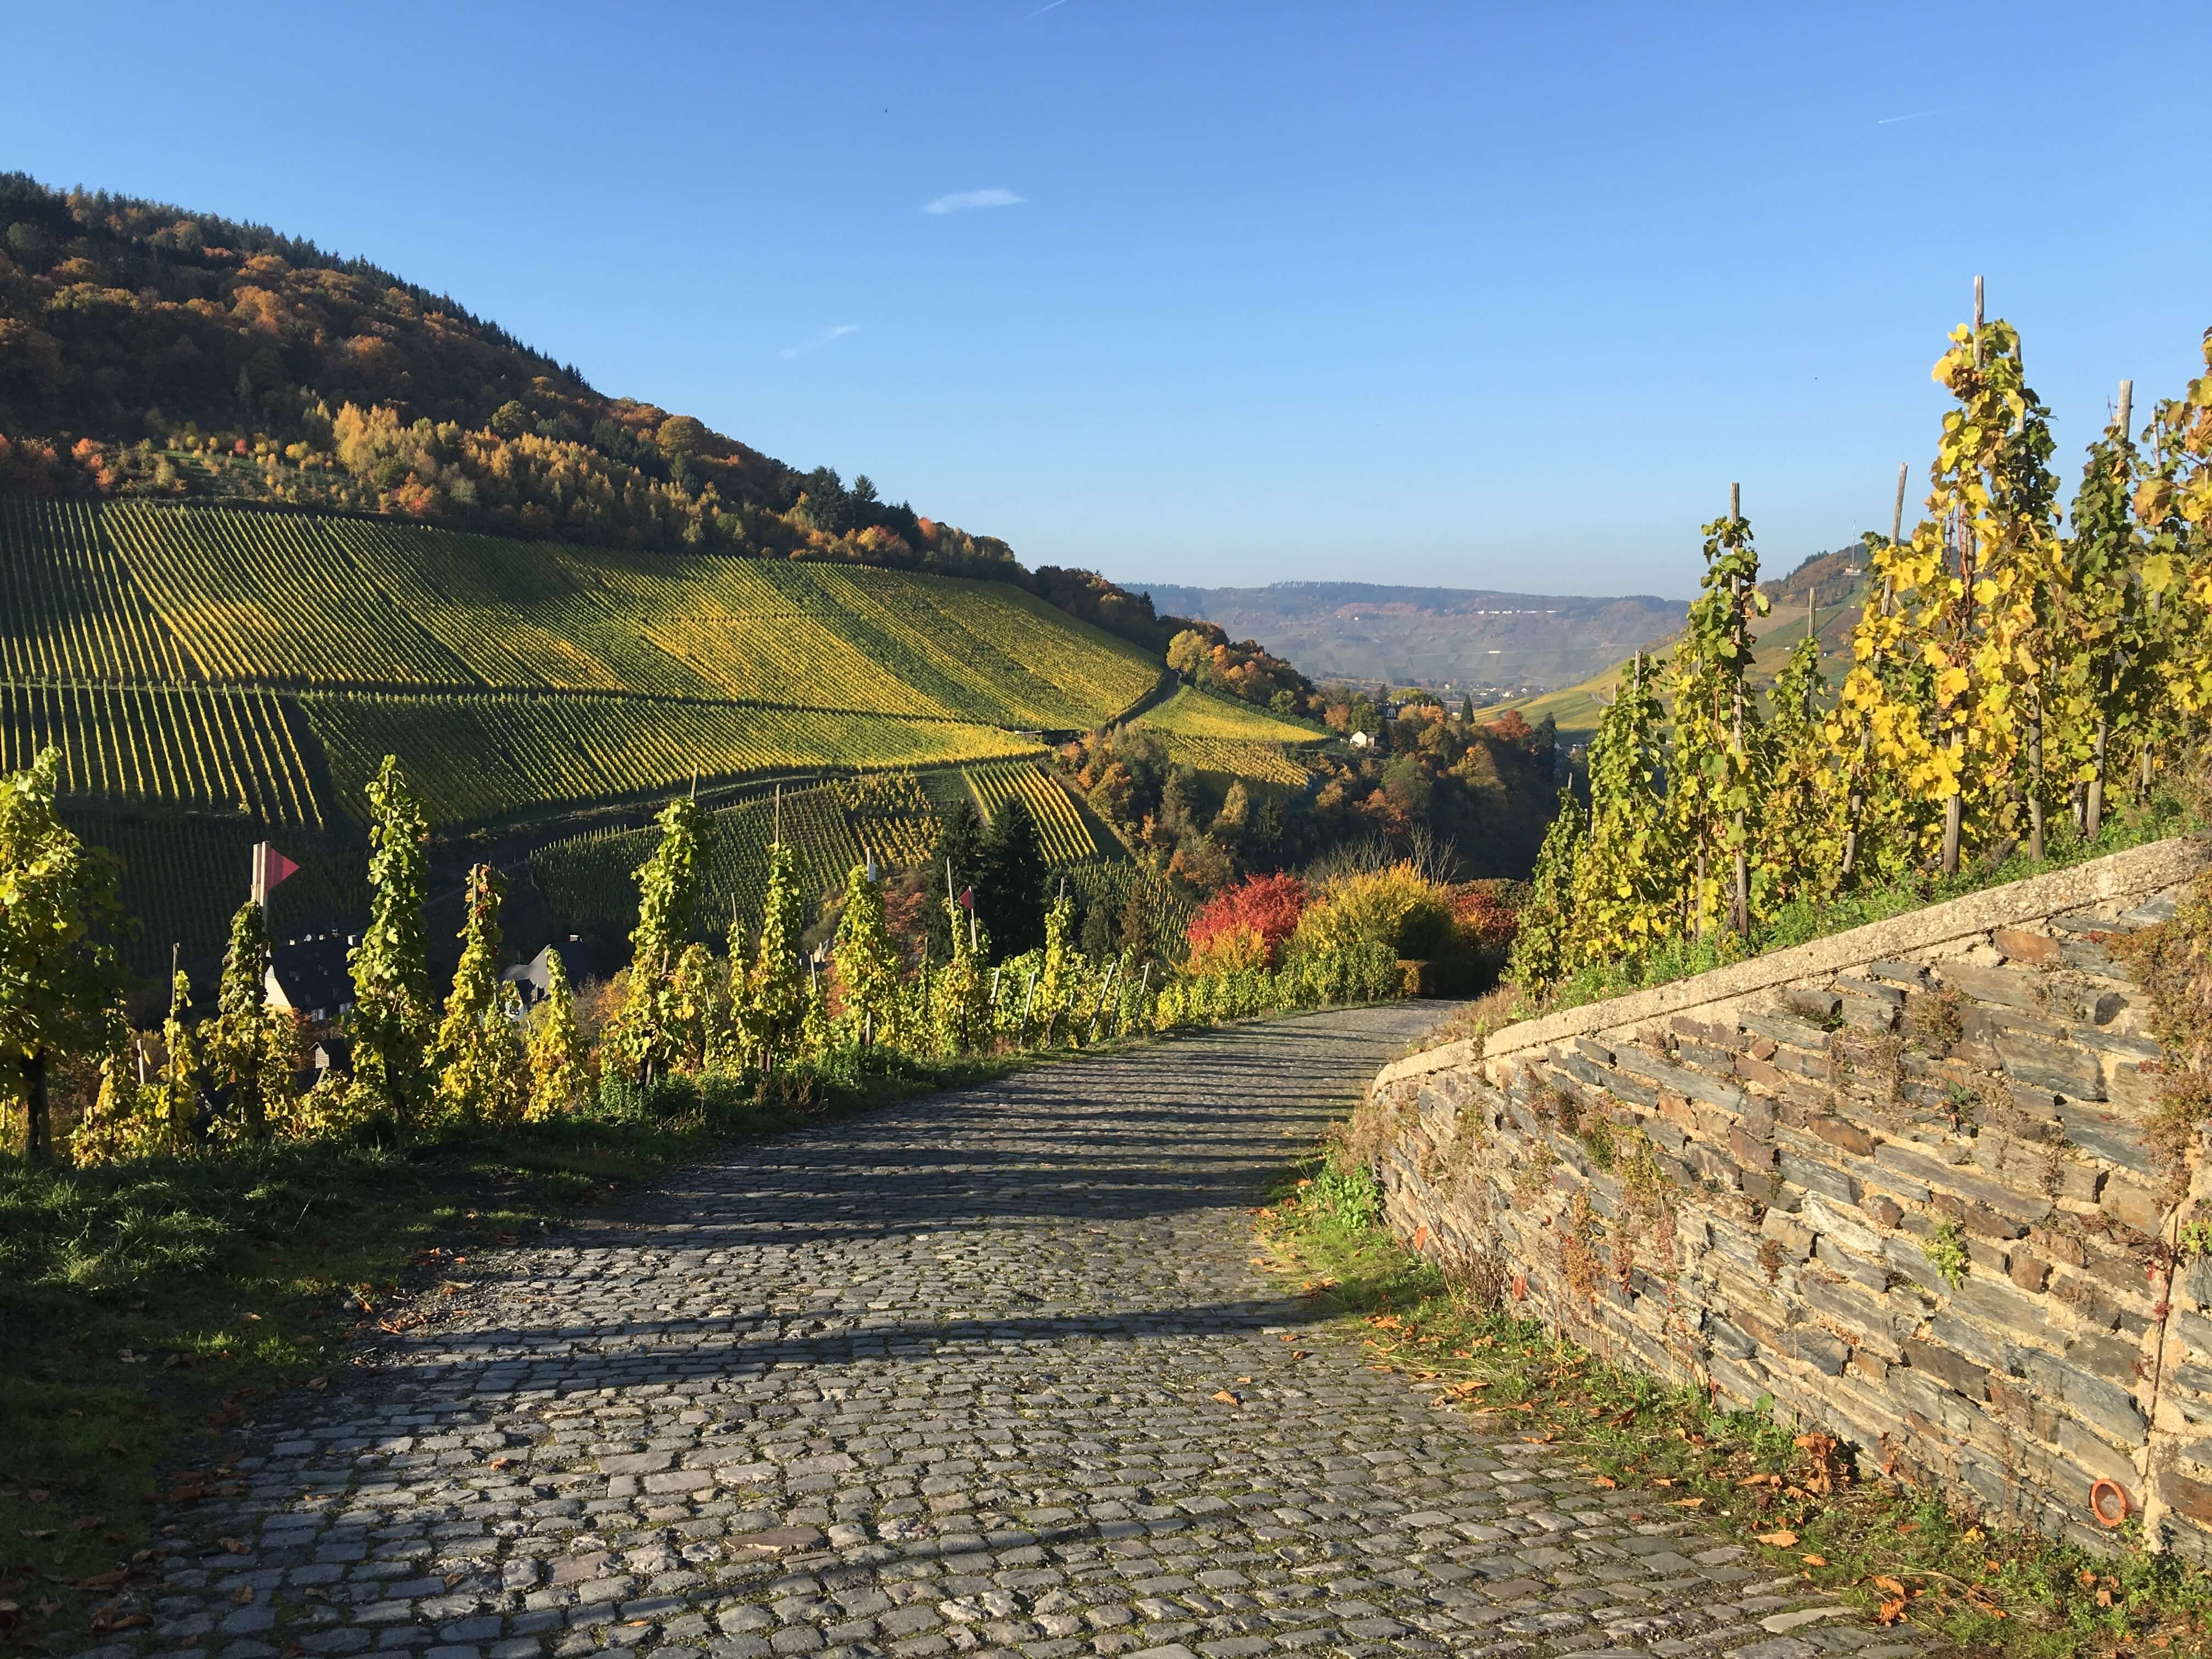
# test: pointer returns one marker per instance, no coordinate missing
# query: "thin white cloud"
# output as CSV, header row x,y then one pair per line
x,y
1041,10
835,331
1917,115
961,200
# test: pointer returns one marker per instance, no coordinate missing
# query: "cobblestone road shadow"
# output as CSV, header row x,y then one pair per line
x,y
990,1372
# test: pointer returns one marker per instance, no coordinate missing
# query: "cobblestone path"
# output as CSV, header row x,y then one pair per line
x,y
944,1379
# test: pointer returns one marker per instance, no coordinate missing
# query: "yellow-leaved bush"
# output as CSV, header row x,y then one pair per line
x,y
1397,907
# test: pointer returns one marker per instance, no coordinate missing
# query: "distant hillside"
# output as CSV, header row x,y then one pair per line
x,y
1835,584
1491,644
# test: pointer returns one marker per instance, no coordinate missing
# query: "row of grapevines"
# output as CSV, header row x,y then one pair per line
x,y
68,609
264,597
1194,713
194,747
733,626
891,815
1036,640
1066,838
316,602
1001,654
513,612
589,879
484,756
1268,762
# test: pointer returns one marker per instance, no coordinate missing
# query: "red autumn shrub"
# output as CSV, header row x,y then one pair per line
x,y
1269,906
1485,915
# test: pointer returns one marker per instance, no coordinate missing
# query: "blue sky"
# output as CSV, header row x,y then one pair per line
x,y
1478,296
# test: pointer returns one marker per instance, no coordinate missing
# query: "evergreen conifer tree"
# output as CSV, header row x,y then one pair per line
x,y
392,1022
958,846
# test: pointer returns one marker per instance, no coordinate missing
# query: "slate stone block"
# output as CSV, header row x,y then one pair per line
x,y
2105,1405
2051,1065
2008,987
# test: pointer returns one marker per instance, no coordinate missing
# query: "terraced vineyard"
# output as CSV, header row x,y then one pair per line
x,y
513,677
890,815
266,597
131,590
1214,734
491,756
1194,713
1067,837
69,609
1269,763
150,747
516,614
591,877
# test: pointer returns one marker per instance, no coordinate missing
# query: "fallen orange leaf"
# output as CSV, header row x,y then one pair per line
x,y
1781,1541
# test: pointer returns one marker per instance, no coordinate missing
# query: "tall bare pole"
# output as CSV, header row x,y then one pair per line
x,y
1742,905
2094,812
1955,807
1857,808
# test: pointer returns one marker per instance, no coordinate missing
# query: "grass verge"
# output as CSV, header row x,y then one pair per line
x,y
1893,1550
1802,922
144,1306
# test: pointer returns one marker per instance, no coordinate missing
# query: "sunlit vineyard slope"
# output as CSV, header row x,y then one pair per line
x,y
236,661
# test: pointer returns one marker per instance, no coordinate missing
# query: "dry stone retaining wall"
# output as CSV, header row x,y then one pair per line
x,y
1898,1181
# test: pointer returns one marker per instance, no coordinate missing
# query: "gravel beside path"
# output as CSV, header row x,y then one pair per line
x,y
944,1379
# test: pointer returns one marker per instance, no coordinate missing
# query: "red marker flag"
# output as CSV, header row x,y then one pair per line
x,y
967,899
269,867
